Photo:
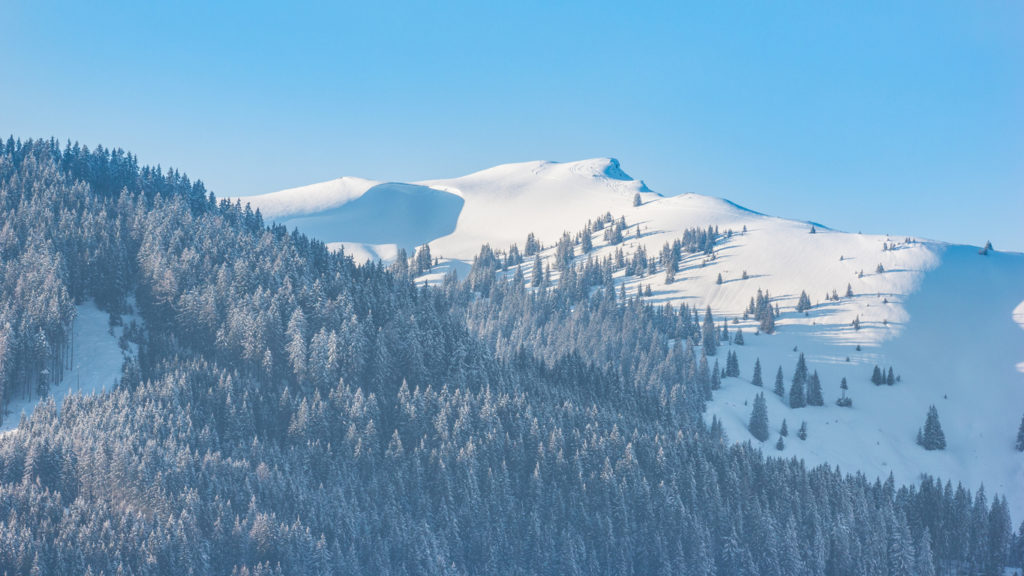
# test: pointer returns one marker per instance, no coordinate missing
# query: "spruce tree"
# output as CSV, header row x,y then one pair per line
x,y
844,400
932,437
709,336
797,398
849,291
890,378
1020,443
780,389
716,377
738,339
804,302
924,564
756,380
780,445
732,365
538,272
802,432
876,376
759,418
814,394
784,429
637,200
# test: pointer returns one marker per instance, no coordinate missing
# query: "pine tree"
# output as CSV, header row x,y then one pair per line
x,y
637,200
849,291
756,380
738,339
538,272
880,269
716,377
759,419
780,445
890,378
780,389
932,437
784,429
1020,440
709,336
924,564
844,400
988,248
804,302
802,432
732,365
423,260
814,394
876,376
586,242
719,280
296,347
797,398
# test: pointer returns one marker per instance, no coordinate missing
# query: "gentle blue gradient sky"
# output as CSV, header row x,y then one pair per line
x,y
904,118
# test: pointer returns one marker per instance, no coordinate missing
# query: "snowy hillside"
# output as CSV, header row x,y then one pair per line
x,y
946,319
95,366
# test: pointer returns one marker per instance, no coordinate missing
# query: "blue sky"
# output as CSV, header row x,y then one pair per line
x,y
904,118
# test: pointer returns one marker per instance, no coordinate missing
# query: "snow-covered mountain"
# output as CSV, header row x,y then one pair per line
x,y
949,321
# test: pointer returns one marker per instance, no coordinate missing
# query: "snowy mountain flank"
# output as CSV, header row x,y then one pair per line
x,y
948,320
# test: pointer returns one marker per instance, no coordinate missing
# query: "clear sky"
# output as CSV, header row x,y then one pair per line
x,y
906,118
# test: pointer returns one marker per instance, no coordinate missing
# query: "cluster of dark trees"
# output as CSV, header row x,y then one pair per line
x,y
880,377
762,310
290,412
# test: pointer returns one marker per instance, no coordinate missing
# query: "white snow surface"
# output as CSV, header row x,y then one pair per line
x,y
96,365
948,320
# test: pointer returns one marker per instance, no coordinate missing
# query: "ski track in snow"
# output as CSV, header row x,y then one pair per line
x,y
947,319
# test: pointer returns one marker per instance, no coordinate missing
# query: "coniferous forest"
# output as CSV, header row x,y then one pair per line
x,y
292,412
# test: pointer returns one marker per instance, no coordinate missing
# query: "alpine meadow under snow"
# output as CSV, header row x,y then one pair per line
x,y
947,319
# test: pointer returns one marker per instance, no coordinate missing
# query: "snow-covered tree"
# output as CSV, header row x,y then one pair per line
x,y
732,365
814,393
780,388
932,437
759,418
803,303
709,336
924,564
802,432
876,376
423,260
757,381
797,394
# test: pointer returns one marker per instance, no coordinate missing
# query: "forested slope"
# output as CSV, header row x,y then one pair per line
x,y
294,413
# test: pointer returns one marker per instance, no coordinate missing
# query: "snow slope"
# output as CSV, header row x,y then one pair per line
x,y
351,212
946,318
96,365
